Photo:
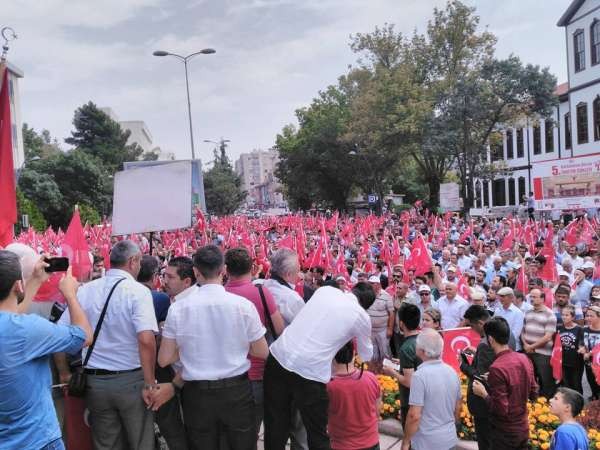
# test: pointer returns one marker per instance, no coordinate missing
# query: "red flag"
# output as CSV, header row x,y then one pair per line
x,y
79,435
522,281
549,272
508,241
463,288
75,247
49,291
8,197
456,340
286,242
556,358
596,362
419,259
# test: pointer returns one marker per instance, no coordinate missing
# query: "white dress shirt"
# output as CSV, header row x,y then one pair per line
x,y
130,311
515,317
288,300
325,324
453,312
186,292
213,330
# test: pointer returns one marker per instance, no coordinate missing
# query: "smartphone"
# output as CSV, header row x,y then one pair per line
x,y
57,264
391,364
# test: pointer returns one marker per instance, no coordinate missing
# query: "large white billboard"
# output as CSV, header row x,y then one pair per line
x,y
153,198
568,183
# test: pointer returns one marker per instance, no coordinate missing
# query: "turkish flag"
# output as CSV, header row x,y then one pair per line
x,y
509,238
79,435
455,341
419,259
463,288
556,358
286,242
522,282
75,247
8,197
596,362
549,272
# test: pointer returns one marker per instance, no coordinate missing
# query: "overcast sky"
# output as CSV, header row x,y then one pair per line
x,y
273,56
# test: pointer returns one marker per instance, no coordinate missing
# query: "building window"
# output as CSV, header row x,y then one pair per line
x,y
568,137
499,192
521,188
595,41
549,134
579,50
537,139
596,110
486,194
511,191
520,147
510,154
496,150
582,123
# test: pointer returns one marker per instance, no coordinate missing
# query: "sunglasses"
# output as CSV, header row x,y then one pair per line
x,y
423,293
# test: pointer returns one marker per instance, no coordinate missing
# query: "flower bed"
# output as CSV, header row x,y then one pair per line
x,y
542,423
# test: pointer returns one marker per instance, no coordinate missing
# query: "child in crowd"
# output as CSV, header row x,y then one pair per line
x,y
571,337
354,397
566,405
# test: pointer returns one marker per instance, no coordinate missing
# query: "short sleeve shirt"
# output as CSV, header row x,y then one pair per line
x,y
435,387
213,330
408,360
27,415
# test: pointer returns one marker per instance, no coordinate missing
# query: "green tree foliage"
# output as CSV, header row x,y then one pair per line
x,y
89,214
57,183
97,135
416,107
316,164
38,145
27,207
222,186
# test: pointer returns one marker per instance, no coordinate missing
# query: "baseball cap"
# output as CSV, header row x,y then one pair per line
x,y
451,269
588,265
424,288
506,291
374,279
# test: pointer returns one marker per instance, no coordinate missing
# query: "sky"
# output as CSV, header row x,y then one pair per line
x,y
272,57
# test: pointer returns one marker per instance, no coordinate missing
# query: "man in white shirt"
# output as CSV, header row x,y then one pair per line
x,y
452,307
284,272
211,332
299,366
120,371
511,312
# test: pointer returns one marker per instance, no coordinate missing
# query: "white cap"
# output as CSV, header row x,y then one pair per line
x,y
588,265
374,279
424,288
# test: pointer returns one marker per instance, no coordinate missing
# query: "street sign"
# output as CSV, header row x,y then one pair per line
x,y
373,198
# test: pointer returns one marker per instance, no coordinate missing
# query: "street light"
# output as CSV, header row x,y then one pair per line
x,y
185,59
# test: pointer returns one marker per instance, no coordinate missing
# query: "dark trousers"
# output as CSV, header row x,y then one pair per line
x,y
501,440
572,378
168,417
210,411
482,430
119,418
284,388
543,373
589,374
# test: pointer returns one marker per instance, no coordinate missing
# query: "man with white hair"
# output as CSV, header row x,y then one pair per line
x,y
435,398
284,273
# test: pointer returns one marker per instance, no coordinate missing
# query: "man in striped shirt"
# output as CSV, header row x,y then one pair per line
x,y
381,313
538,331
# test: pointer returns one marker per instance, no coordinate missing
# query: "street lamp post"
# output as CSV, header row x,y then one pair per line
x,y
185,59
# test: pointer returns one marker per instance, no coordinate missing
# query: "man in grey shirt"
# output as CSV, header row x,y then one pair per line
x,y
435,399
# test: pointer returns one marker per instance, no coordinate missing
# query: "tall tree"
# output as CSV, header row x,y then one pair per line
x,y
101,137
222,186
38,145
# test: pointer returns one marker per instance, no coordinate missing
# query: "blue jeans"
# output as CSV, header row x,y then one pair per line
x,y
55,445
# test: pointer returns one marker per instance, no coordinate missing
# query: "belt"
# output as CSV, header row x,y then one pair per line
x,y
219,384
109,372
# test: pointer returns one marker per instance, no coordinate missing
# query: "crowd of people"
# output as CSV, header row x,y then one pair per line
x,y
212,332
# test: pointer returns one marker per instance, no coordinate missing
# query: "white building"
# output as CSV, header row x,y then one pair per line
x,y
139,132
14,74
537,151
257,171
